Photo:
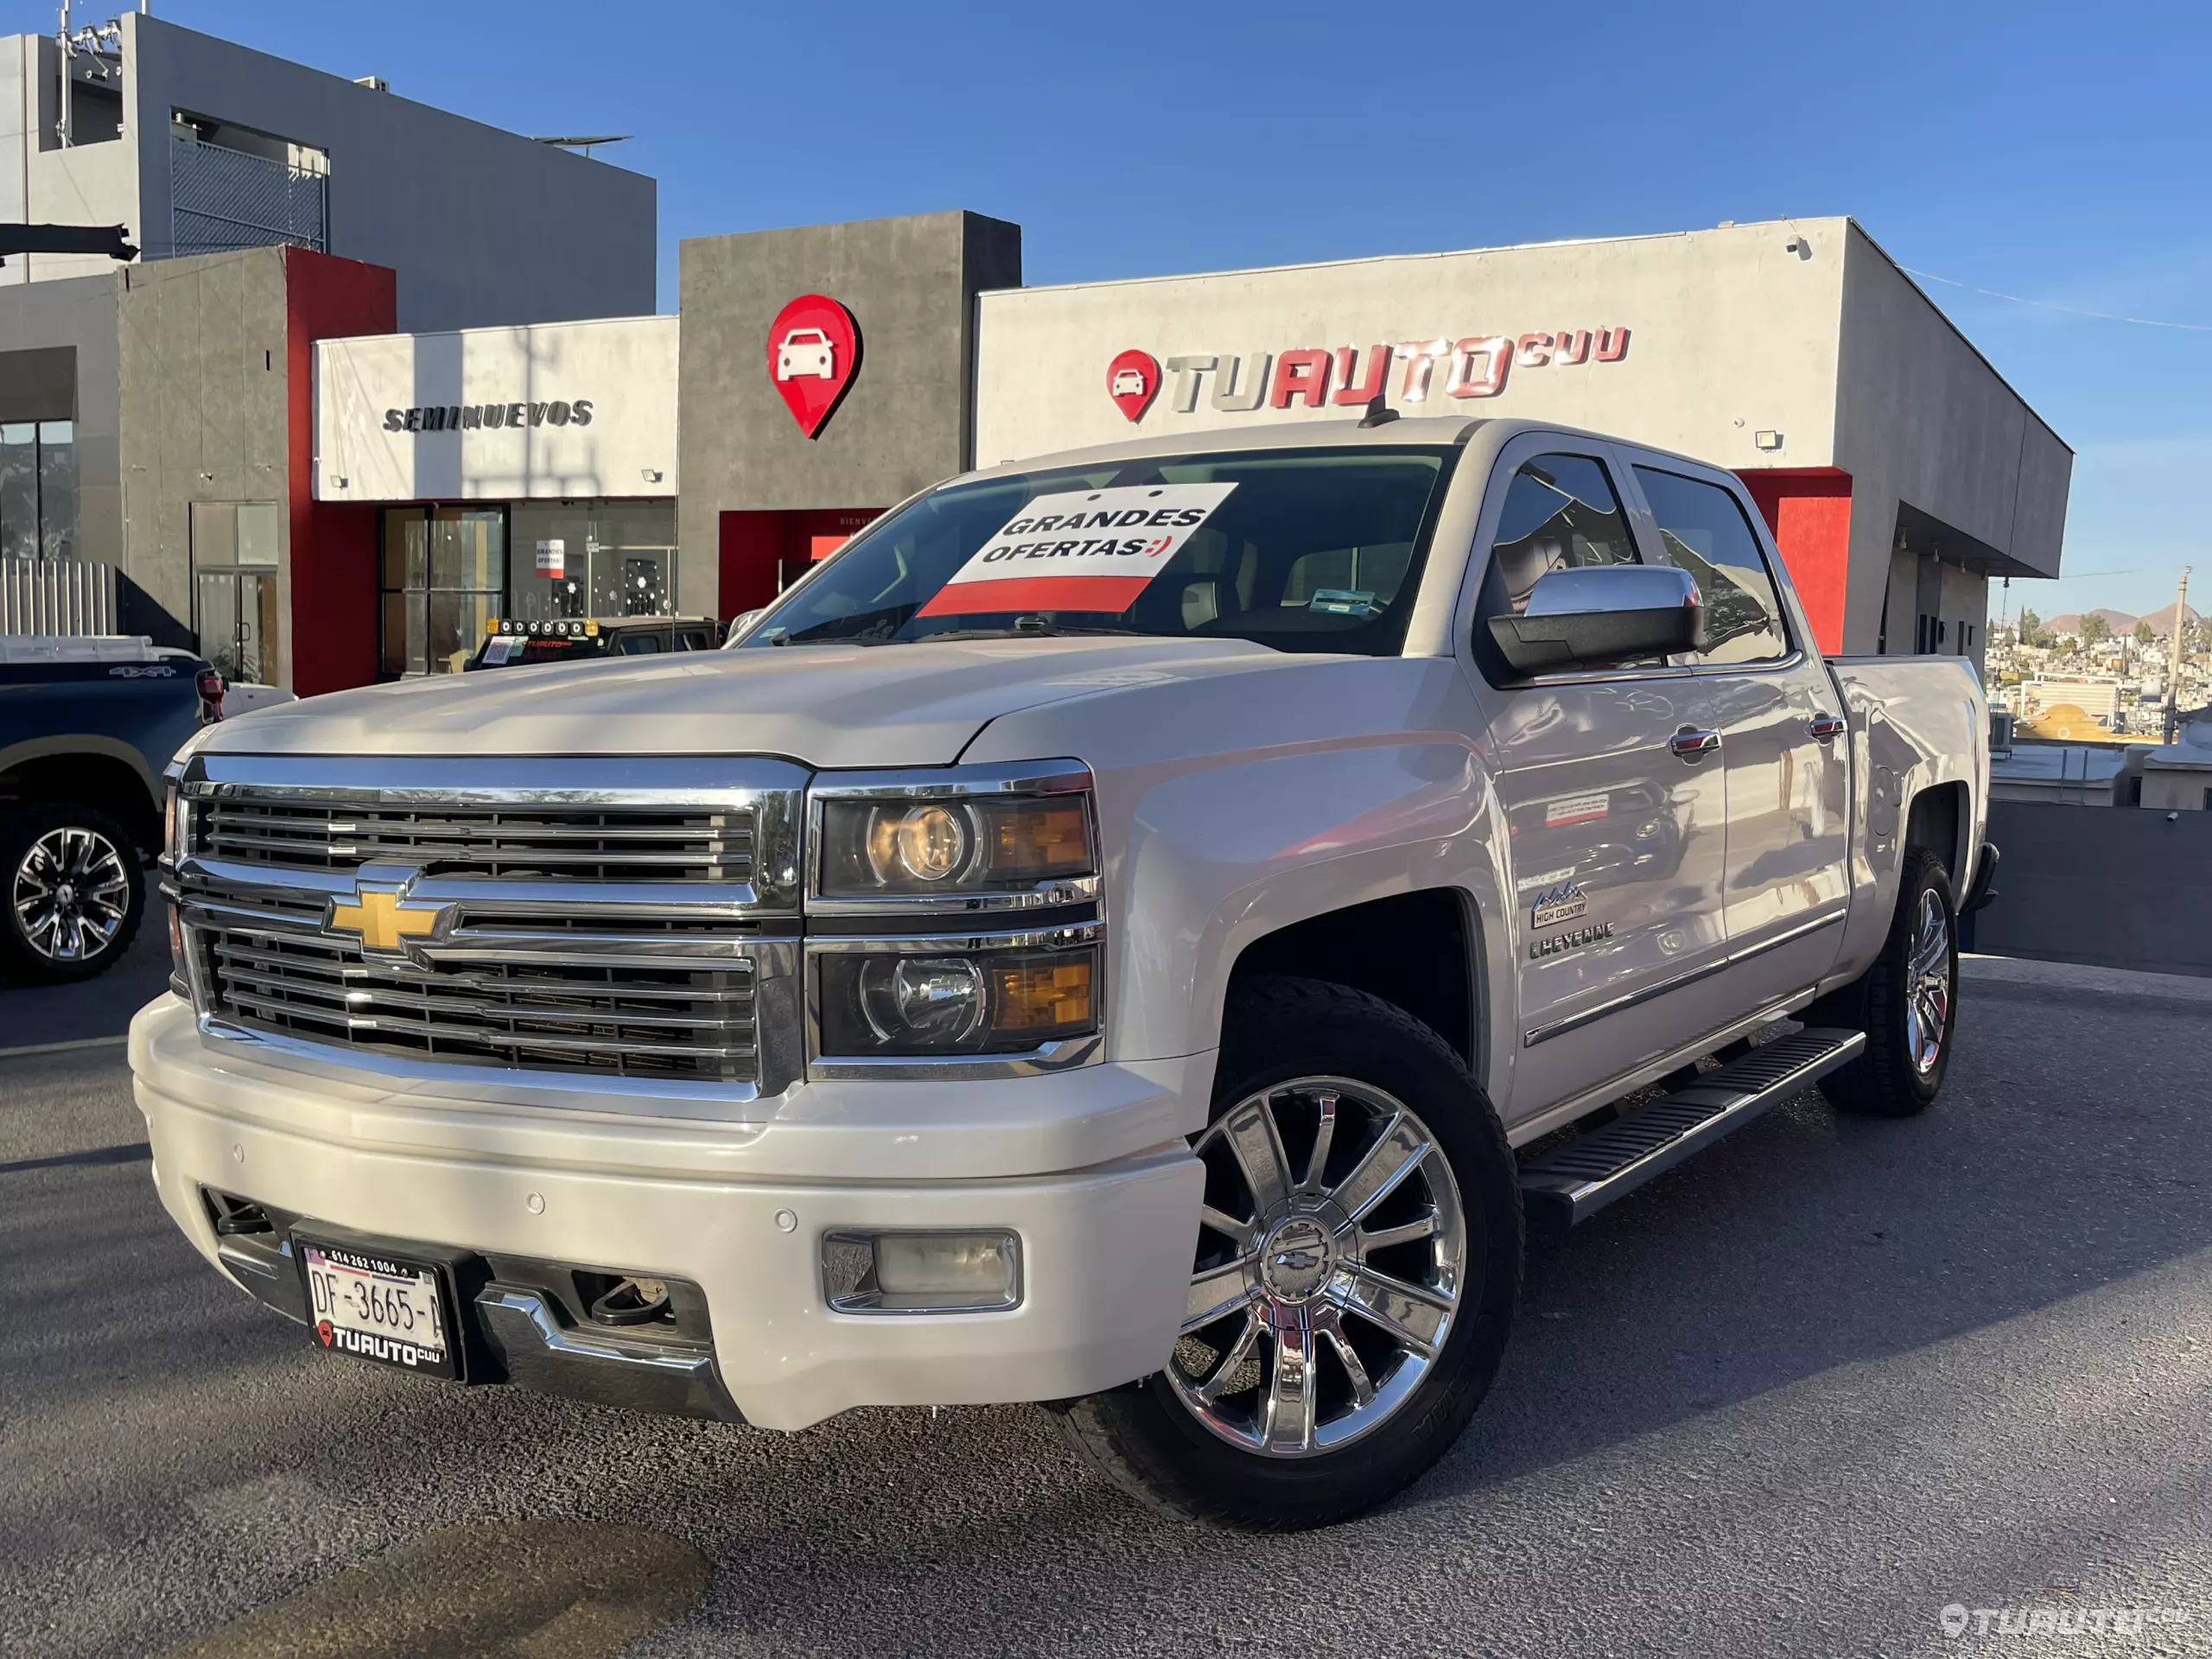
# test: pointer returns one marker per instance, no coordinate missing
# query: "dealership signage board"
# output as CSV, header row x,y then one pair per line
x,y
559,411
1689,342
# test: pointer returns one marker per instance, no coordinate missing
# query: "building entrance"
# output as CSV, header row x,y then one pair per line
x,y
443,575
235,597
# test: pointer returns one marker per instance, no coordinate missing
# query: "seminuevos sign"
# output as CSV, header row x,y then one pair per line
x,y
546,411
1406,372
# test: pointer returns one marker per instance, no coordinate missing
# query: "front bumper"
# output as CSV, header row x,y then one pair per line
x,y
737,1208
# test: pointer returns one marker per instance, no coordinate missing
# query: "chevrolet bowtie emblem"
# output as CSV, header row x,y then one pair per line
x,y
382,915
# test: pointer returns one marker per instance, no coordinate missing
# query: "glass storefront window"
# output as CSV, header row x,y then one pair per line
x,y
19,490
443,577
38,490
594,558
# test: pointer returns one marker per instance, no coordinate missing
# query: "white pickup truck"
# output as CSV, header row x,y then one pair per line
x,y
1137,931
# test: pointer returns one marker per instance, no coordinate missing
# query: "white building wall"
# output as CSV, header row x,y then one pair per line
x,y
483,226
42,183
373,395
1730,333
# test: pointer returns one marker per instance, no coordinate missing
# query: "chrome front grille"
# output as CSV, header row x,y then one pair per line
x,y
622,1020
601,843
626,920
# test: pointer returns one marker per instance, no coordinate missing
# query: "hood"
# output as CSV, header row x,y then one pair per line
x,y
902,705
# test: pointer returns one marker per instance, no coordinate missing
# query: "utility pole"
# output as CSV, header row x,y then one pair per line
x,y
2173,660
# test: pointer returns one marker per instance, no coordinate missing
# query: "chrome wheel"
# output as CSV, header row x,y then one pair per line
x,y
1928,989
71,894
1330,1254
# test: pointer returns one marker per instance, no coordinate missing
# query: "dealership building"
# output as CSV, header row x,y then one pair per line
x,y
336,457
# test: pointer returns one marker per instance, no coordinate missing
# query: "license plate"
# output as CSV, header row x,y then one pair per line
x,y
377,1306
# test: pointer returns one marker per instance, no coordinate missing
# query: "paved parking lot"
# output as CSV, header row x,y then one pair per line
x,y
1795,1398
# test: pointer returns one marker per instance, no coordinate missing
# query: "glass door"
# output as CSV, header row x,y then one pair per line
x,y
443,577
235,594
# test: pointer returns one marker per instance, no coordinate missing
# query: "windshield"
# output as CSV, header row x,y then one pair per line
x,y
1300,549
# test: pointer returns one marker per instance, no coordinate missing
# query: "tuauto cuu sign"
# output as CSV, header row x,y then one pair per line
x,y
1316,377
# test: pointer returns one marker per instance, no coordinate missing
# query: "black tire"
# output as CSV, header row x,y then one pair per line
x,y
1892,1078
1148,1441
35,951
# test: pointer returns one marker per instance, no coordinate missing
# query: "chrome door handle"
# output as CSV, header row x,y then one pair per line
x,y
1825,727
1692,745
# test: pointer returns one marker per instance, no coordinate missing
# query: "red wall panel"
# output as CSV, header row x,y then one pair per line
x,y
759,549
333,565
1808,510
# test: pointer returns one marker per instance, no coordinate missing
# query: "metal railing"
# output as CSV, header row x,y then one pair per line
x,y
71,596
224,199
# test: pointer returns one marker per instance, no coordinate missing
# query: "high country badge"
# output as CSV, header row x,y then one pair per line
x,y
1560,903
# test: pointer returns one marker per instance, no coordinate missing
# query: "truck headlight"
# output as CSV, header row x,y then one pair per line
x,y
899,847
956,1002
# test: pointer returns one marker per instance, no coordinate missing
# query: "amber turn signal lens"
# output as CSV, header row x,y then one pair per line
x,y
1040,996
1045,840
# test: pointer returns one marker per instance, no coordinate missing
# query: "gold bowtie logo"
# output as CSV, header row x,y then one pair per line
x,y
381,920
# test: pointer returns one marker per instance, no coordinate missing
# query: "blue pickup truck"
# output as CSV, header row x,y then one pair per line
x,y
86,727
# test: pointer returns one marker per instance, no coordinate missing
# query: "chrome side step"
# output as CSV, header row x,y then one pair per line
x,y
1583,1177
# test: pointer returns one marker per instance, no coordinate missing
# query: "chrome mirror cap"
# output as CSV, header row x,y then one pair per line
x,y
1590,589
1601,615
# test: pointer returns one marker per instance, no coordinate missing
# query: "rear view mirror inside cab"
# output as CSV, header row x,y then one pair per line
x,y
1601,614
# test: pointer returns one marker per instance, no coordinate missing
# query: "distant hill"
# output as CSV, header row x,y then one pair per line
x,y
2122,623
2118,621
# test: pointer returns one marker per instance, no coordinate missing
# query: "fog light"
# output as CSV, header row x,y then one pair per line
x,y
921,1273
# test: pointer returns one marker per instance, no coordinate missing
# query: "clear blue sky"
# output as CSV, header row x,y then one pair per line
x,y
2056,152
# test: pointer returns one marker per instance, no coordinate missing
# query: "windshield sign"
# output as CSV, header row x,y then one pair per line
x,y
1086,551
1316,549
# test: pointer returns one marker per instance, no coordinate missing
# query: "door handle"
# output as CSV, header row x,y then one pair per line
x,y
1825,727
1692,745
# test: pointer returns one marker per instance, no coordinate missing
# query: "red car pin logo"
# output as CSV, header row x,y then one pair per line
x,y
814,351
1133,381
322,1330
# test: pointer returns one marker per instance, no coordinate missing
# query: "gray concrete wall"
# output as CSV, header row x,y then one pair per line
x,y
1921,418
905,422
204,410
78,314
2114,888
483,226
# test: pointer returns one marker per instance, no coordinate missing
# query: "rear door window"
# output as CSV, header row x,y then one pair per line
x,y
1703,531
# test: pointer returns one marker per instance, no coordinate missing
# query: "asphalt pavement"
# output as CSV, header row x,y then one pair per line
x,y
1800,1396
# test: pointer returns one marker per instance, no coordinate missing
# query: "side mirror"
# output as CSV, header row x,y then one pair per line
x,y
738,624
1602,613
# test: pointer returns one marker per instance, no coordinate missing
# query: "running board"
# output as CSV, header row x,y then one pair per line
x,y
1583,1177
